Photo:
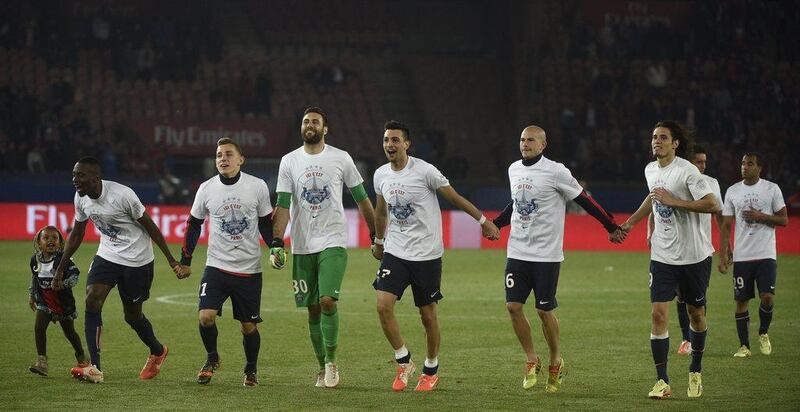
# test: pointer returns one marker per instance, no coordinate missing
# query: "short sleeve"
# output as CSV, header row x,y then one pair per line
x,y
567,184
264,204
698,186
285,182
350,174
777,199
80,215
199,205
728,208
434,178
133,206
377,182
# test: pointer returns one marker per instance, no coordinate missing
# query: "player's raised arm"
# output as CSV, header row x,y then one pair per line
x,y
490,231
155,234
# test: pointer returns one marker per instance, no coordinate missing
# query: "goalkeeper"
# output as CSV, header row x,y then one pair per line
x,y
309,186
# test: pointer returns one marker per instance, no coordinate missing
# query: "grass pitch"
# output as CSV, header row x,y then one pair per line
x,y
604,312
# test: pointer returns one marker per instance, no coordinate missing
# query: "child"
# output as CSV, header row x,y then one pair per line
x,y
51,305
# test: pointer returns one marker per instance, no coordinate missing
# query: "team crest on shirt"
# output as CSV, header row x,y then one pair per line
x,y
232,221
106,228
524,202
316,190
399,203
751,201
664,211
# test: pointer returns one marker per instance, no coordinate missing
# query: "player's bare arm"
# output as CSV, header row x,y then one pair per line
x,y
155,234
74,241
781,218
280,220
651,227
706,204
368,213
725,252
490,231
720,220
643,211
381,222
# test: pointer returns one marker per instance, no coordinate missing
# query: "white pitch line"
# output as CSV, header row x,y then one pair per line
x,y
171,300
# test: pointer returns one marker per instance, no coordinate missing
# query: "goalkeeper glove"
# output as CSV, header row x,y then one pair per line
x,y
277,255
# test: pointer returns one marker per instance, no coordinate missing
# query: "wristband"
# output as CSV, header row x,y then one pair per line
x,y
378,241
482,220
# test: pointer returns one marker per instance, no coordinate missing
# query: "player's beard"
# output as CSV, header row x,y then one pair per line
x,y
312,139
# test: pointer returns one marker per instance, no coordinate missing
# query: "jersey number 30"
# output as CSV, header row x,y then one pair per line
x,y
299,286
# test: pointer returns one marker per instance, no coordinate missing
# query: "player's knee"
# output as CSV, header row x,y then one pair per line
x,y
384,309
544,314
94,303
766,299
327,303
248,328
428,317
514,308
659,317
207,320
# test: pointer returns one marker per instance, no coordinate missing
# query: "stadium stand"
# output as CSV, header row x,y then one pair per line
x,y
75,78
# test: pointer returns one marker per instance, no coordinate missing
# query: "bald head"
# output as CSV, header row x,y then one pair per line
x,y
534,131
532,142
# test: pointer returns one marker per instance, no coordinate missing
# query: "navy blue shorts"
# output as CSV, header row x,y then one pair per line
x,y
425,278
133,283
688,281
244,291
762,273
522,277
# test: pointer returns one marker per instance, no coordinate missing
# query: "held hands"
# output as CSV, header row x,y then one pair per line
x,y
724,263
181,271
489,230
617,236
277,255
